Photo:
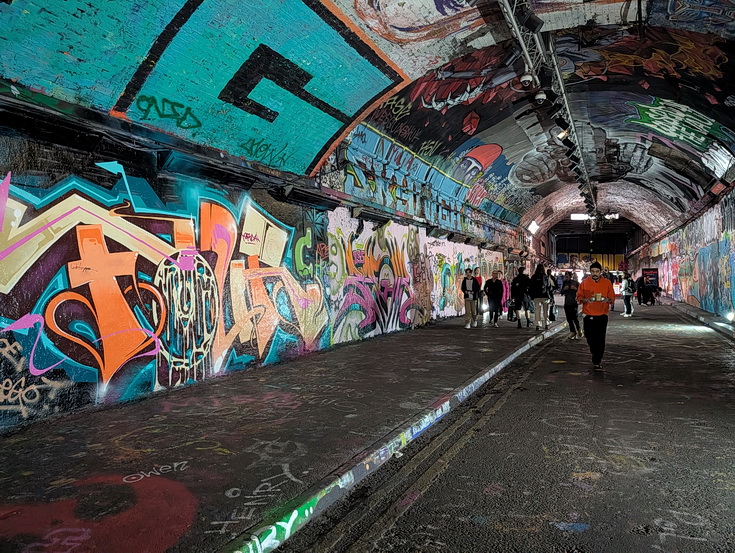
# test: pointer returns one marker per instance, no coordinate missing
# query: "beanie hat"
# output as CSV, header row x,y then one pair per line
x,y
596,265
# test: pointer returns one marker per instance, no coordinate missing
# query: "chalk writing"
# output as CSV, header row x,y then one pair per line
x,y
249,503
157,471
61,540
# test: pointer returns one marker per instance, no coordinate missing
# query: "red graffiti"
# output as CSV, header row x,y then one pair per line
x,y
322,250
250,237
162,512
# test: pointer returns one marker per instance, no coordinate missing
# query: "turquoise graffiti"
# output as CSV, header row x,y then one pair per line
x,y
380,170
219,73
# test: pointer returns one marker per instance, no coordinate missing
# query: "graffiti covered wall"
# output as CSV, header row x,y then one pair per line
x,y
696,262
108,293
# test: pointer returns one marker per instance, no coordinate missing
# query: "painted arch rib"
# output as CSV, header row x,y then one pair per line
x,y
635,203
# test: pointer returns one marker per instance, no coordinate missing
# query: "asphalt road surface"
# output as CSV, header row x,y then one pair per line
x,y
549,457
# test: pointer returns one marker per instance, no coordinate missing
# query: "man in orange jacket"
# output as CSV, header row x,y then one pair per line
x,y
596,294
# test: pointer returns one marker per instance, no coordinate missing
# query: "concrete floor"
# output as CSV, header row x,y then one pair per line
x,y
638,458
548,457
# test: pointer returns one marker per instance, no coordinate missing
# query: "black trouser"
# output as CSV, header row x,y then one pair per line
x,y
495,306
595,328
627,300
571,312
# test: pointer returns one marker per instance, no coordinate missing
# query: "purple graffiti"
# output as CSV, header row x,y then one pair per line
x,y
4,191
29,320
384,304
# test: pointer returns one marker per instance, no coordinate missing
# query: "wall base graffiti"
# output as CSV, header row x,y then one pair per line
x,y
108,294
696,262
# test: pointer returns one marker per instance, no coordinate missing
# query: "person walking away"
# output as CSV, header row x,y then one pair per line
x,y
494,294
539,291
519,296
478,278
626,289
569,290
519,293
471,289
595,294
640,285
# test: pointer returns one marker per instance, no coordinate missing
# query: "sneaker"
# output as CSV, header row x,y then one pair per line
x,y
580,334
474,324
519,324
467,325
597,367
496,325
572,336
546,327
538,327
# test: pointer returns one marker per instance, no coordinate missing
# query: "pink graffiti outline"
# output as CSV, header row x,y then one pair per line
x,y
4,192
10,249
29,320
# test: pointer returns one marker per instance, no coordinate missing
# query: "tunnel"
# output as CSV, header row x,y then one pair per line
x,y
202,199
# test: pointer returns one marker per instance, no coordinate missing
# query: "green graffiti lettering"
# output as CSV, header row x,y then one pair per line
x,y
302,268
677,122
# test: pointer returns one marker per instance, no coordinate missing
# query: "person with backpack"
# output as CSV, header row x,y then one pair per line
x,y
494,294
519,295
539,290
627,289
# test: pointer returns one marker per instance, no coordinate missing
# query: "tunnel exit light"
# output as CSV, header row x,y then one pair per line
x,y
585,216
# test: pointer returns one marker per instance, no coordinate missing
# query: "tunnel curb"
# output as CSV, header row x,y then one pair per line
x,y
706,318
282,522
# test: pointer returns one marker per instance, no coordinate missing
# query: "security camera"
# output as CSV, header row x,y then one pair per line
x,y
526,80
540,97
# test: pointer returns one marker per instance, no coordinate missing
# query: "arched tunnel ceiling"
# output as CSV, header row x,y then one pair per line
x,y
284,83
636,203
647,110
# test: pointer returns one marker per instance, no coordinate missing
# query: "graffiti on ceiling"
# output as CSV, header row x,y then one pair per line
x,y
284,84
275,82
653,112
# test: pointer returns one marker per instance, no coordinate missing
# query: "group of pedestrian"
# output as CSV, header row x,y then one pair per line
x,y
473,290
535,294
648,293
